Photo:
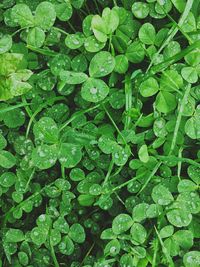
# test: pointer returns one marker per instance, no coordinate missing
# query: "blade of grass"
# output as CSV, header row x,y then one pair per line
x,y
179,117
165,252
173,31
128,98
155,169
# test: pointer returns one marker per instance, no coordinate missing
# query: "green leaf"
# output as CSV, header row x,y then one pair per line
x,y
14,236
92,45
7,160
72,77
167,231
46,130
112,248
135,52
121,223
140,212
69,155
147,34
193,58
66,246
165,102
140,10
44,220
111,20
171,81
120,155
44,156
22,15
61,225
189,74
98,26
161,195
64,10
7,179
186,186
191,259
39,235
74,41
179,4
3,142
184,238
178,215
138,233
36,37
23,258
102,64
149,87
94,90
5,43
192,125
45,15
77,233
55,237
143,154
121,64
10,63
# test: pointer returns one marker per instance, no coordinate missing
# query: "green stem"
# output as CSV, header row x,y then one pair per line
x,y
115,2
63,171
38,110
97,7
42,51
165,64
19,30
179,163
109,172
30,178
77,114
26,106
165,251
9,108
173,31
128,182
53,255
114,124
178,121
155,254
71,26
174,158
128,98
61,30
150,177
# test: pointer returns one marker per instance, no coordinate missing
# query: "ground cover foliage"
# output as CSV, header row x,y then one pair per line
x,y
100,130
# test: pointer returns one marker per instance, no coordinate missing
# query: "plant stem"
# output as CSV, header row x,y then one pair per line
x,y
109,172
63,171
9,108
165,252
38,110
114,124
178,121
128,97
179,163
115,2
26,106
53,255
77,114
128,182
173,31
186,160
150,176
30,178
61,30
